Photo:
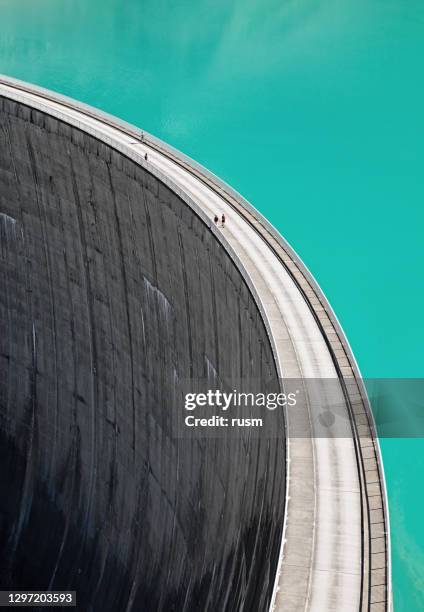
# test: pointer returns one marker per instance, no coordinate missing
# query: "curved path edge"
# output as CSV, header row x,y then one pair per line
x,y
376,557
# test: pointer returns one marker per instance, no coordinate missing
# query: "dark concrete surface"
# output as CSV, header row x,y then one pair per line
x,y
111,291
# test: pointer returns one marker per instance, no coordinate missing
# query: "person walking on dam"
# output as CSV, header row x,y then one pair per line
x,y
223,220
145,156
216,219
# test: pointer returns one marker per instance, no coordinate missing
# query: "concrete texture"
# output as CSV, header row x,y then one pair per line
x,y
335,549
112,289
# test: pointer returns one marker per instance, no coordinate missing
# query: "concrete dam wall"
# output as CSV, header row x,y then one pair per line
x,y
111,290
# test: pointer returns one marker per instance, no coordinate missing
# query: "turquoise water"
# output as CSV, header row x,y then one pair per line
x,y
314,111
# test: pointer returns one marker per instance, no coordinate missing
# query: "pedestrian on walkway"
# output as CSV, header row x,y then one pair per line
x,y
141,136
223,220
216,219
145,156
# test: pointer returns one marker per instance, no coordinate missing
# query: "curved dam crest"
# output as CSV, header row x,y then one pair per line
x,y
289,522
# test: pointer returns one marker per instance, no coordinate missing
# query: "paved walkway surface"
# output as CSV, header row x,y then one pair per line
x,y
334,553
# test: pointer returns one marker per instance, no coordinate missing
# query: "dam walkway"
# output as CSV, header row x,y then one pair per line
x,y
335,549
